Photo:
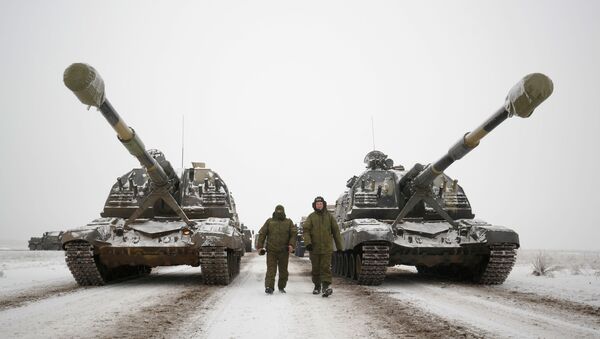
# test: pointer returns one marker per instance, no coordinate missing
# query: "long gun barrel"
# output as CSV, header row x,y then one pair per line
x,y
521,100
88,86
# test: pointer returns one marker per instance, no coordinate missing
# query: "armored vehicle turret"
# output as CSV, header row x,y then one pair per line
x,y
422,217
152,216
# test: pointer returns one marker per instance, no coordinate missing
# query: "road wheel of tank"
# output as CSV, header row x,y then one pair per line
x,y
344,272
230,265
334,263
495,269
337,263
144,270
344,265
351,267
357,266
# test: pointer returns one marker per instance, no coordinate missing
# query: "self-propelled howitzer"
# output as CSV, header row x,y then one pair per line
x,y
422,217
152,217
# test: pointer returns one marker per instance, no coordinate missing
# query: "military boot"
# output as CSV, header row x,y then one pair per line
x,y
317,289
327,291
269,290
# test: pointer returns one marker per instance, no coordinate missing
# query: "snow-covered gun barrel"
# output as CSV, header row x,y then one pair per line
x,y
87,85
522,99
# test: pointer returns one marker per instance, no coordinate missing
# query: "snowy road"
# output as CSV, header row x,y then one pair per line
x,y
244,310
39,299
497,310
101,311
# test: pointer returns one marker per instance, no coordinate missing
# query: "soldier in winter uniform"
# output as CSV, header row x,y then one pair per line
x,y
320,230
280,234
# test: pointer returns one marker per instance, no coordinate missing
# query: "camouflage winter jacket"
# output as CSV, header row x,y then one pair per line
x,y
320,230
278,234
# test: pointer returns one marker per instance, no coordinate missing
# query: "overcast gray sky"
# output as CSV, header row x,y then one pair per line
x,y
278,98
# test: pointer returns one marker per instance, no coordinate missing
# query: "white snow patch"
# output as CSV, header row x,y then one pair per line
x,y
499,310
25,270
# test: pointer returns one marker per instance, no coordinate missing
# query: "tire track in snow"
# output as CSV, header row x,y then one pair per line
x,y
492,309
243,310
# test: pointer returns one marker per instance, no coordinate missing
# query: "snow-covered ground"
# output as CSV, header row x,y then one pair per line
x,y
583,287
29,270
524,307
50,304
576,276
565,303
38,297
243,310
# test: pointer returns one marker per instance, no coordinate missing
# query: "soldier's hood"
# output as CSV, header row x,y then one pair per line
x,y
279,212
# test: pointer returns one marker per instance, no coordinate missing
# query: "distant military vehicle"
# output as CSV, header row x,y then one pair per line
x,y
300,249
248,234
422,217
49,241
152,216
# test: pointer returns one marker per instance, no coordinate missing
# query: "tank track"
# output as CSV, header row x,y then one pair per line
x,y
79,256
375,259
501,261
218,265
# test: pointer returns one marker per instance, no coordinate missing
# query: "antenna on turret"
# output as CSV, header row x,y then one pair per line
x,y
182,135
373,132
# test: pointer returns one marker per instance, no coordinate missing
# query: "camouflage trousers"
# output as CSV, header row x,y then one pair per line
x,y
277,260
321,268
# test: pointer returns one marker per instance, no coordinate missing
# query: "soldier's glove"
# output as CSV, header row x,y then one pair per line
x,y
290,248
262,251
309,247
